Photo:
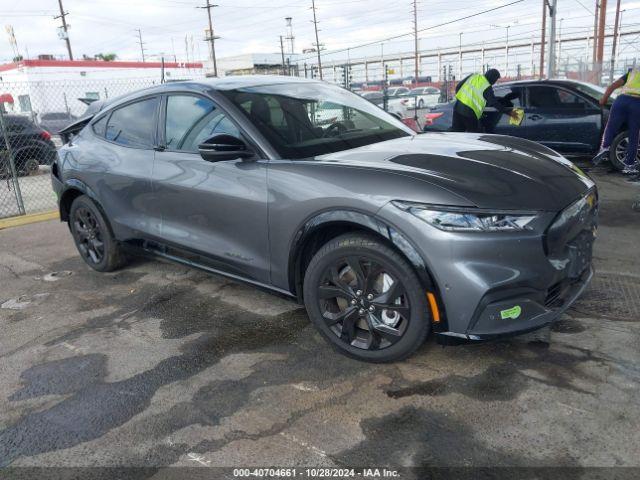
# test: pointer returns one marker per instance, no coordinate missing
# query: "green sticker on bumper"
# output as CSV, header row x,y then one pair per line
x,y
513,313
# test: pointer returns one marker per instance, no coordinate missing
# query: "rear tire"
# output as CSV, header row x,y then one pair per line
x,y
366,300
93,237
618,151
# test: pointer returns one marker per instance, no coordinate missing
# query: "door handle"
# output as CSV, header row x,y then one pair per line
x,y
535,117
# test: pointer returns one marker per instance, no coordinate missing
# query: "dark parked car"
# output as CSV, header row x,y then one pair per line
x,y
385,235
31,145
55,121
562,114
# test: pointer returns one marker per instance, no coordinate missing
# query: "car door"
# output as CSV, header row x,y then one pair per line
x,y
215,210
561,119
119,166
498,123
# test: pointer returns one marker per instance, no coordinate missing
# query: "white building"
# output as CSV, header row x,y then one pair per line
x,y
252,64
33,87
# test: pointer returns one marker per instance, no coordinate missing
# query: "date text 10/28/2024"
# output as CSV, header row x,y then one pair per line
x,y
315,473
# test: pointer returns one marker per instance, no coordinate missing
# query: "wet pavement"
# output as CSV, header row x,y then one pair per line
x,y
158,365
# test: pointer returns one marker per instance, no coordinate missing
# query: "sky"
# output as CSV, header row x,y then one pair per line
x,y
252,26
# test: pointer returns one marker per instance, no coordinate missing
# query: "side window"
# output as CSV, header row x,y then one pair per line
x,y
191,120
556,99
571,100
133,125
509,96
100,127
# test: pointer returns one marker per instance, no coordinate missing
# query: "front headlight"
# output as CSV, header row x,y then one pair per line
x,y
455,219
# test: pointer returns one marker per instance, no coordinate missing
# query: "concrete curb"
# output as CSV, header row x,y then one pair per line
x,y
28,219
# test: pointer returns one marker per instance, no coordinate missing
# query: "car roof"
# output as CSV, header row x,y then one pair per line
x,y
223,83
564,82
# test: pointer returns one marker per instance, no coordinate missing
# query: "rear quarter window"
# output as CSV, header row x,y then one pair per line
x,y
99,127
134,124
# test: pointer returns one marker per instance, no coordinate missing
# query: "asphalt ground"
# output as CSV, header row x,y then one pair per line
x,y
160,365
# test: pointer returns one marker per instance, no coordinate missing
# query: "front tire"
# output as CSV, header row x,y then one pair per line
x,y
618,151
421,104
366,300
92,236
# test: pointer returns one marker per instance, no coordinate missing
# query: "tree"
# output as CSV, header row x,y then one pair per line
x,y
17,58
107,57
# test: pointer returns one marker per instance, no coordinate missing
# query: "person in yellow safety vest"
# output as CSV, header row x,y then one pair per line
x,y
624,111
473,94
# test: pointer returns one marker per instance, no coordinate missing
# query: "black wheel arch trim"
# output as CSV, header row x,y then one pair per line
x,y
369,222
84,189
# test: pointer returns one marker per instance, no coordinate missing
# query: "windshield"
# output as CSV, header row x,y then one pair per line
x,y
303,120
594,91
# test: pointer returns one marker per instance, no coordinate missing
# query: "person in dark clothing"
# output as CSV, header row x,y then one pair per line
x,y
624,111
473,94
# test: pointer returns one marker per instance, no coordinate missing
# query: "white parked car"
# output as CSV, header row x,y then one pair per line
x,y
421,97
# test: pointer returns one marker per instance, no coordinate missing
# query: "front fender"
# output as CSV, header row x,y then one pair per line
x,y
365,220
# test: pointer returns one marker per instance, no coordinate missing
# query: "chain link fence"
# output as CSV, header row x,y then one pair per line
x,y
32,113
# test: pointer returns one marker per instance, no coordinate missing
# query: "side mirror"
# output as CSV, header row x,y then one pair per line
x,y
224,147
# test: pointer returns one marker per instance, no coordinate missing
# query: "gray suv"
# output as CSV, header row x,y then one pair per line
x,y
308,190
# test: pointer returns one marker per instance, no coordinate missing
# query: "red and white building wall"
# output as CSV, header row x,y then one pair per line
x,y
33,87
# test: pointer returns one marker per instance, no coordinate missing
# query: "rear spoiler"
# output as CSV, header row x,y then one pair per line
x,y
74,128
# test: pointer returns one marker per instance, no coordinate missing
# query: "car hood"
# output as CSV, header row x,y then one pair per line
x,y
490,171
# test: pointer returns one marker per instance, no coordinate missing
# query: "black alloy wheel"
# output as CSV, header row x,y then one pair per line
x,y
618,152
88,236
366,300
93,237
363,304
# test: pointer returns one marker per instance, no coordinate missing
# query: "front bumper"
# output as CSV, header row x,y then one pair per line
x,y
492,285
493,326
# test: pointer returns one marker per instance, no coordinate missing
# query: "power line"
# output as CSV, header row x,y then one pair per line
x,y
211,38
401,35
65,28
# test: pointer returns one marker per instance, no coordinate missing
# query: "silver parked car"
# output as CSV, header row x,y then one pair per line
x,y
384,235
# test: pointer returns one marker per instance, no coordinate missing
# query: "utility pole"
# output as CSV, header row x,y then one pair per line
x,y
551,65
211,38
506,54
141,43
315,26
543,39
595,35
284,65
614,47
415,40
559,44
600,55
65,28
460,56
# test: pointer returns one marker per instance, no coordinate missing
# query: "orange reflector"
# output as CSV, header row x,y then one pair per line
x,y
435,313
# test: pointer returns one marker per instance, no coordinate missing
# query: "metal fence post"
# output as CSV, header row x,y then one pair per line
x,y
12,165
